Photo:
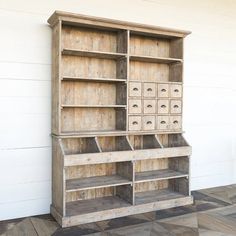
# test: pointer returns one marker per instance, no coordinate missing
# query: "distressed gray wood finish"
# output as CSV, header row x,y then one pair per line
x,y
117,92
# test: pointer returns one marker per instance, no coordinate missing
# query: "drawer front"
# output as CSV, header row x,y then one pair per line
x,y
135,123
149,90
175,122
148,122
149,106
162,122
176,90
162,90
175,106
135,106
135,89
162,106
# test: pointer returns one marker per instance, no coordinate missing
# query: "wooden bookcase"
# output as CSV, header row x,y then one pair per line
x,y
117,140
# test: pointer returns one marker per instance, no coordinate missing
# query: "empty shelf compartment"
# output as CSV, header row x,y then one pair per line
x,y
79,145
114,143
94,176
161,190
144,142
161,168
156,195
93,200
172,140
95,205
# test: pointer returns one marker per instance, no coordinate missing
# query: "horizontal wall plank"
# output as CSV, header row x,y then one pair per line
x,y
26,208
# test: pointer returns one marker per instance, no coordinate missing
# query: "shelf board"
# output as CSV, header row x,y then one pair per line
x,y
155,59
94,133
96,54
95,182
101,80
93,106
147,176
156,195
94,205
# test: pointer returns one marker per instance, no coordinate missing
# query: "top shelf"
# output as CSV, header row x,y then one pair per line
x,y
97,54
155,59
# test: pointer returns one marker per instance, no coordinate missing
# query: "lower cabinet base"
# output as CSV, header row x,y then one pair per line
x,y
67,221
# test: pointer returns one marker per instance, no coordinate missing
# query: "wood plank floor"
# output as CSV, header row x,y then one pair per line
x,y
212,214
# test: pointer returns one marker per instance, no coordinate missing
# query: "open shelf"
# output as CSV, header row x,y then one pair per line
x,y
95,182
172,140
155,59
79,145
158,175
97,54
144,142
156,195
95,106
94,205
114,143
87,79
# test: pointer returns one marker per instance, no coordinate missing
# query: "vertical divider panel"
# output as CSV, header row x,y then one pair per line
x,y
98,145
157,139
56,78
127,80
127,138
133,184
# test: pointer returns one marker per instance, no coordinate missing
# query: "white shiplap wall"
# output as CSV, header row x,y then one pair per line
x,y
25,46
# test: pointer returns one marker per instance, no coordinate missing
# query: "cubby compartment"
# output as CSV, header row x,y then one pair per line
x,y
161,168
79,145
155,72
80,119
91,39
172,140
161,190
144,142
114,143
101,199
93,68
152,46
94,176
83,94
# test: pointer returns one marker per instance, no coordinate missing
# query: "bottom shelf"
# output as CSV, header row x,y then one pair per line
x,y
156,196
94,205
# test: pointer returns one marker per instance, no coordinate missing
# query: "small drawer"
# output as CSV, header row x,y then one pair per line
x,y
162,90
135,89
176,90
149,90
175,122
134,122
148,122
149,106
135,106
162,122
162,106
175,106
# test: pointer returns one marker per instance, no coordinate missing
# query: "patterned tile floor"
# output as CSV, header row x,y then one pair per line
x,y
212,214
